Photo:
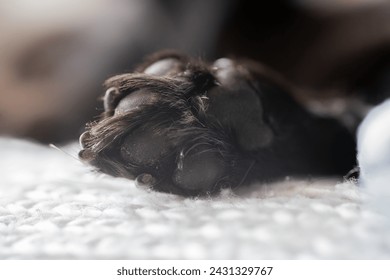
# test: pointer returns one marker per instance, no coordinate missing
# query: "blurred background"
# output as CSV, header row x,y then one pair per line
x,y
55,54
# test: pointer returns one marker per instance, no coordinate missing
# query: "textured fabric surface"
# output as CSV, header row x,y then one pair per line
x,y
54,207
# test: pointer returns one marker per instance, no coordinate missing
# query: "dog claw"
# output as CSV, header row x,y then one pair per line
x,y
109,98
82,139
145,179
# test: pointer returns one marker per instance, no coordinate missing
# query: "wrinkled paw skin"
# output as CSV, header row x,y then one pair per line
x,y
188,127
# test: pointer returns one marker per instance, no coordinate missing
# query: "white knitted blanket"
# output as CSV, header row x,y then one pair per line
x,y
54,207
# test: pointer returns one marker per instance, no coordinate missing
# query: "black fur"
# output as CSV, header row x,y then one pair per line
x,y
188,127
